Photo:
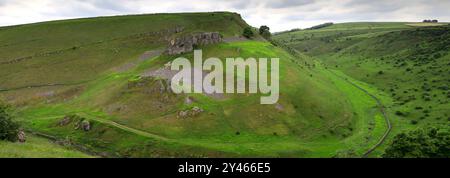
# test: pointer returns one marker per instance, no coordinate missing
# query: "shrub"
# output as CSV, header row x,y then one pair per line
x,y
248,32
8,128
264,31
399,113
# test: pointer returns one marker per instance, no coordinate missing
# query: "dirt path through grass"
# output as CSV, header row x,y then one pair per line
x,y
125,128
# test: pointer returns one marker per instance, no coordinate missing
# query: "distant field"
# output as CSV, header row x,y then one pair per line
x,y
426,24
36,147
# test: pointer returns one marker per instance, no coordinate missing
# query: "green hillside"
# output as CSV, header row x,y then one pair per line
x,y
408,62
37,147
62,74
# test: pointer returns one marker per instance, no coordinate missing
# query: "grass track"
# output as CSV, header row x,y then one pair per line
x,y
382,110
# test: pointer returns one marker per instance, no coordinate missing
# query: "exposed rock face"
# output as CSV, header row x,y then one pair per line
x,y
186,44
21,136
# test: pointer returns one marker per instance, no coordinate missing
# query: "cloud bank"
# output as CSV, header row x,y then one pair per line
x,y
278,14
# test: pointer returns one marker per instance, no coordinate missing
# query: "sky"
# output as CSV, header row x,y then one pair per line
x,y
279,15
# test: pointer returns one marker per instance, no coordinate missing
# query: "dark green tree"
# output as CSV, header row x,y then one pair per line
x,y
264,31
248,32
421,143
8,128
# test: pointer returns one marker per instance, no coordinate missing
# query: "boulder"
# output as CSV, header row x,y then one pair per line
x,y
86,125
182,114
21,136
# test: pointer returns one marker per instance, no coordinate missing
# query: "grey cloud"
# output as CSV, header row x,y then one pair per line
x,y
108,4
279,14
381,6
288,3
4,2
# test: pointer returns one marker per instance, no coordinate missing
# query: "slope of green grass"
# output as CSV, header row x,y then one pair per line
x,y
318,114
409,64
47,52
336,37
36,147
216,129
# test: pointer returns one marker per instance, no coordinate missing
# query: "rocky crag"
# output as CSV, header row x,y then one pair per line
x,y
187,43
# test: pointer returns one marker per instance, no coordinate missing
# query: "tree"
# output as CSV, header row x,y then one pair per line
x,y
8,128
248,32
264,31
421,143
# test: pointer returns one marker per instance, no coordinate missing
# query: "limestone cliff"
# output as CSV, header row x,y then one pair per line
x,y
187,43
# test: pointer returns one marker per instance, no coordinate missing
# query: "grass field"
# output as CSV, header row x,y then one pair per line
x,y
36,147
426,24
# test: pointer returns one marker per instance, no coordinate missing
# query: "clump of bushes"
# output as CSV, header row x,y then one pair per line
x,y
264,31
8,128
422,143
248,32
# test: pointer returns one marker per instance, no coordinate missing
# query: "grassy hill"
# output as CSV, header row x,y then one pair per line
x,y
60,74
408,62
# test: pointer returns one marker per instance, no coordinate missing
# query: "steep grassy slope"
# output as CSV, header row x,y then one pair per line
x,y
93,70
408,63
30,53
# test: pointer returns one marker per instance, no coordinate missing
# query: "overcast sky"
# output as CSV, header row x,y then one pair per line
x,y
278,14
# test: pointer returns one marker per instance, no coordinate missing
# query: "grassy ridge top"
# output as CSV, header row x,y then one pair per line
x,y
24,40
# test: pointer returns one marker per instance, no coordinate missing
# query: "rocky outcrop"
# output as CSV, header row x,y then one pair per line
x,y
195,111
187,43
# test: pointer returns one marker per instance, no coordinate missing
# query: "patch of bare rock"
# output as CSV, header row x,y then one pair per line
x,y
195,111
